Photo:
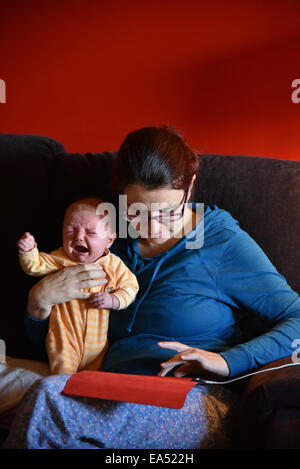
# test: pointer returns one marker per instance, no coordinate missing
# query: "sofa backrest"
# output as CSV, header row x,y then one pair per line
x,y
40,179
263,194
26,165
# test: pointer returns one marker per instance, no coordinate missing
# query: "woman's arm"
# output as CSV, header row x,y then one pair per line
x,y
62,286
247,280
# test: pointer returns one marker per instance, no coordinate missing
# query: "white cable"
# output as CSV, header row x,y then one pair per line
x,y
206,381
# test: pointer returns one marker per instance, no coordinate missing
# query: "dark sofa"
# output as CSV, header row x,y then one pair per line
x,y
39,179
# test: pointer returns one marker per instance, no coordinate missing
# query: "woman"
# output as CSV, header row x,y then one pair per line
x,y
184,320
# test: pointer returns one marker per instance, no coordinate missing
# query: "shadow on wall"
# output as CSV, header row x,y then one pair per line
x,y
241,96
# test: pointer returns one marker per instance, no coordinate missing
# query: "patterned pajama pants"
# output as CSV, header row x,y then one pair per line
x,y
49,419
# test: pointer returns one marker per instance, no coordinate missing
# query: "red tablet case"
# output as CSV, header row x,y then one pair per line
x,y
140,389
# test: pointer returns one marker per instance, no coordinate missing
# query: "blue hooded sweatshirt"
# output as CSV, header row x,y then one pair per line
x,y
200,296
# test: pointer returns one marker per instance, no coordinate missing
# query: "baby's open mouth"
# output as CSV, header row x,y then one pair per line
x,y
81,249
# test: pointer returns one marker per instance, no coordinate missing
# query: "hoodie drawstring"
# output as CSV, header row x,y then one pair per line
x,y
133,316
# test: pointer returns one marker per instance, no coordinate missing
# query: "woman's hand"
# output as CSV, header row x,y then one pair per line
x,y
64,285
193,361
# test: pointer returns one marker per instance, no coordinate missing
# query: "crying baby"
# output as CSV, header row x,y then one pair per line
x,y
77,337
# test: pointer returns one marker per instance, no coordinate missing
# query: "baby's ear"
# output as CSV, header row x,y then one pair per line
x,y
110,239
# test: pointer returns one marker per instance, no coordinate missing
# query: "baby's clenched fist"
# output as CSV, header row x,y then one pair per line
x,y
26,242
104,300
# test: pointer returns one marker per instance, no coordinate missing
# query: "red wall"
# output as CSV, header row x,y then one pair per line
x,y
87,73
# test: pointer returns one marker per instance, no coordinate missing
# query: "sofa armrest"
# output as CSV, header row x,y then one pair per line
x,y
269,411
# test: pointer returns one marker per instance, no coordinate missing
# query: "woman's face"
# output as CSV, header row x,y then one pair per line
x,y
155,213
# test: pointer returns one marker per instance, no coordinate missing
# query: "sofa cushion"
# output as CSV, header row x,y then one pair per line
x,y
76,175
27,162
264,195
269,410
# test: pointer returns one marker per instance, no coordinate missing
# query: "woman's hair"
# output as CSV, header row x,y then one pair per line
x,y
155,157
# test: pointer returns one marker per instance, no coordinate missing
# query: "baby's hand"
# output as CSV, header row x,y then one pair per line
x,y
26,242
104,300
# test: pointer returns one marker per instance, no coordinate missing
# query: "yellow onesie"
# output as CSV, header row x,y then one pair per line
x,y
77,337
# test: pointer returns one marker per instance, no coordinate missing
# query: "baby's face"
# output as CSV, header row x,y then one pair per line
x,y
85,235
